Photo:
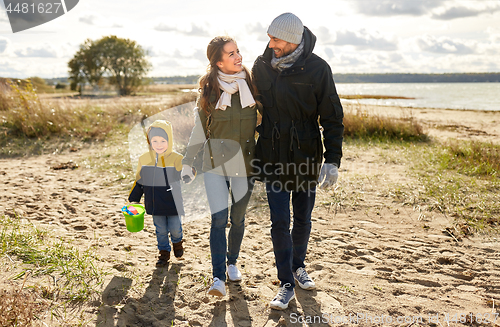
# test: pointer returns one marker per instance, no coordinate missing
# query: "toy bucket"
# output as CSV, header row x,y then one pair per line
x,y
135,223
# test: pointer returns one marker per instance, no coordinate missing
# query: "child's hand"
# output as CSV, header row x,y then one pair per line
x,y
188,174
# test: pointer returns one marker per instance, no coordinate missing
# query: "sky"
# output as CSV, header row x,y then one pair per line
x,y
353,36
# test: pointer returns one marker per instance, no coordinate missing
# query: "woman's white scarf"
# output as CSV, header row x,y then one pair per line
x,y
230,84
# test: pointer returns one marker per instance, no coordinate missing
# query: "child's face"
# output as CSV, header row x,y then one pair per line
x,y
159,144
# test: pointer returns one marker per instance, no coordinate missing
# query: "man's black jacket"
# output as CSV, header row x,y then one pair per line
x,y
289,150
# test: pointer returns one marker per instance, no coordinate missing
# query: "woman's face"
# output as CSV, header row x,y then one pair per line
x,y
231,59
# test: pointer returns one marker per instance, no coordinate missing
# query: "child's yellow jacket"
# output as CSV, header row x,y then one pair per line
x,y
158,178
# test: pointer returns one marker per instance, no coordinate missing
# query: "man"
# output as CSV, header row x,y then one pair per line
x,y
295,88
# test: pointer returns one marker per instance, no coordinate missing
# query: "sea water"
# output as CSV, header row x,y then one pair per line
x,y
474,96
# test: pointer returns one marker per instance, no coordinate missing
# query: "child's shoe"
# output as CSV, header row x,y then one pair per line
x,y
178,249
163,258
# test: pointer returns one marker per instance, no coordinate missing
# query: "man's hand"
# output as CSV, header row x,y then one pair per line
x,y
187,174
328,175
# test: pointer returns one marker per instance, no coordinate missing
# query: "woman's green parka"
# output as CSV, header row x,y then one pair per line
x,y
229,143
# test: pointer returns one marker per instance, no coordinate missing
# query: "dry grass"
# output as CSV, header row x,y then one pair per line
x,y
368,96
25,115
167,88
458,179
30,125
472,158
18,307
34,255
4,97
359,124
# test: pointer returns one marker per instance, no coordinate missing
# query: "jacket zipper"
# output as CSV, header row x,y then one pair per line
x,y
154,173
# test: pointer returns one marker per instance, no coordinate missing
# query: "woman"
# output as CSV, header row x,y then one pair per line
x,y
226,125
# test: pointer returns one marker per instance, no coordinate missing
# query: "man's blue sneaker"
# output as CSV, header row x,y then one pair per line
x,y
284,296
305,282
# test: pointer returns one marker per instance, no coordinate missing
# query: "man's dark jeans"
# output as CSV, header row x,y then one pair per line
x,y
290,248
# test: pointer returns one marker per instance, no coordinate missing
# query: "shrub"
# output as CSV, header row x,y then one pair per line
x,y
472,158
26,115
361,125
5,96
42,254
18,308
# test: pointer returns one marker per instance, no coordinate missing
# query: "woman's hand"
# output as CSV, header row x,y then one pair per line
x,y
188,174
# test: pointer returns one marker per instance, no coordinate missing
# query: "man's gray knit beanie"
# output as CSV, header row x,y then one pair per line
x,y
287,27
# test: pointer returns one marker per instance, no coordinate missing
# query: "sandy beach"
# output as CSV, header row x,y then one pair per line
x,y
375,260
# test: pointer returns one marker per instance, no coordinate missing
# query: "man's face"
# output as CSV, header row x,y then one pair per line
x,y
281,48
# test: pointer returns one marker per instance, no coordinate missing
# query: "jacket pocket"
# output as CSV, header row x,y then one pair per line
x,y
306,158
220,151
165,201
221,115
265,95
264,151
305,151
335,100
304,84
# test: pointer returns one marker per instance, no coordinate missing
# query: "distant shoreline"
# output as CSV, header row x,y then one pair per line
x,y
354,78
418,78
345,78
374,78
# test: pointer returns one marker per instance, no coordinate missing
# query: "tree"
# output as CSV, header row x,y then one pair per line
x,y
123,60
86,65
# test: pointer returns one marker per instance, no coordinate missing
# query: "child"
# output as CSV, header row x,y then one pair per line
x,y
158,177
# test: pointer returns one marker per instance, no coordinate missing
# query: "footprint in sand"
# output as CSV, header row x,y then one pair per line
x,y
79,227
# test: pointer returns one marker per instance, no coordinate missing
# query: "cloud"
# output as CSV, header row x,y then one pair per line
x,y
494,35
3,17
323,34
195,30
152,51
350,60
170,63
197,54
461,12
391,58
10,68
396,7
100,21
437,9
256,28
4,43
41,52
200,55
88,19
444,45
165,28
363,40
329,53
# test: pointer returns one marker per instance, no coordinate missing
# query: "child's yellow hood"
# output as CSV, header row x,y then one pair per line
x,y
167,127
169,158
